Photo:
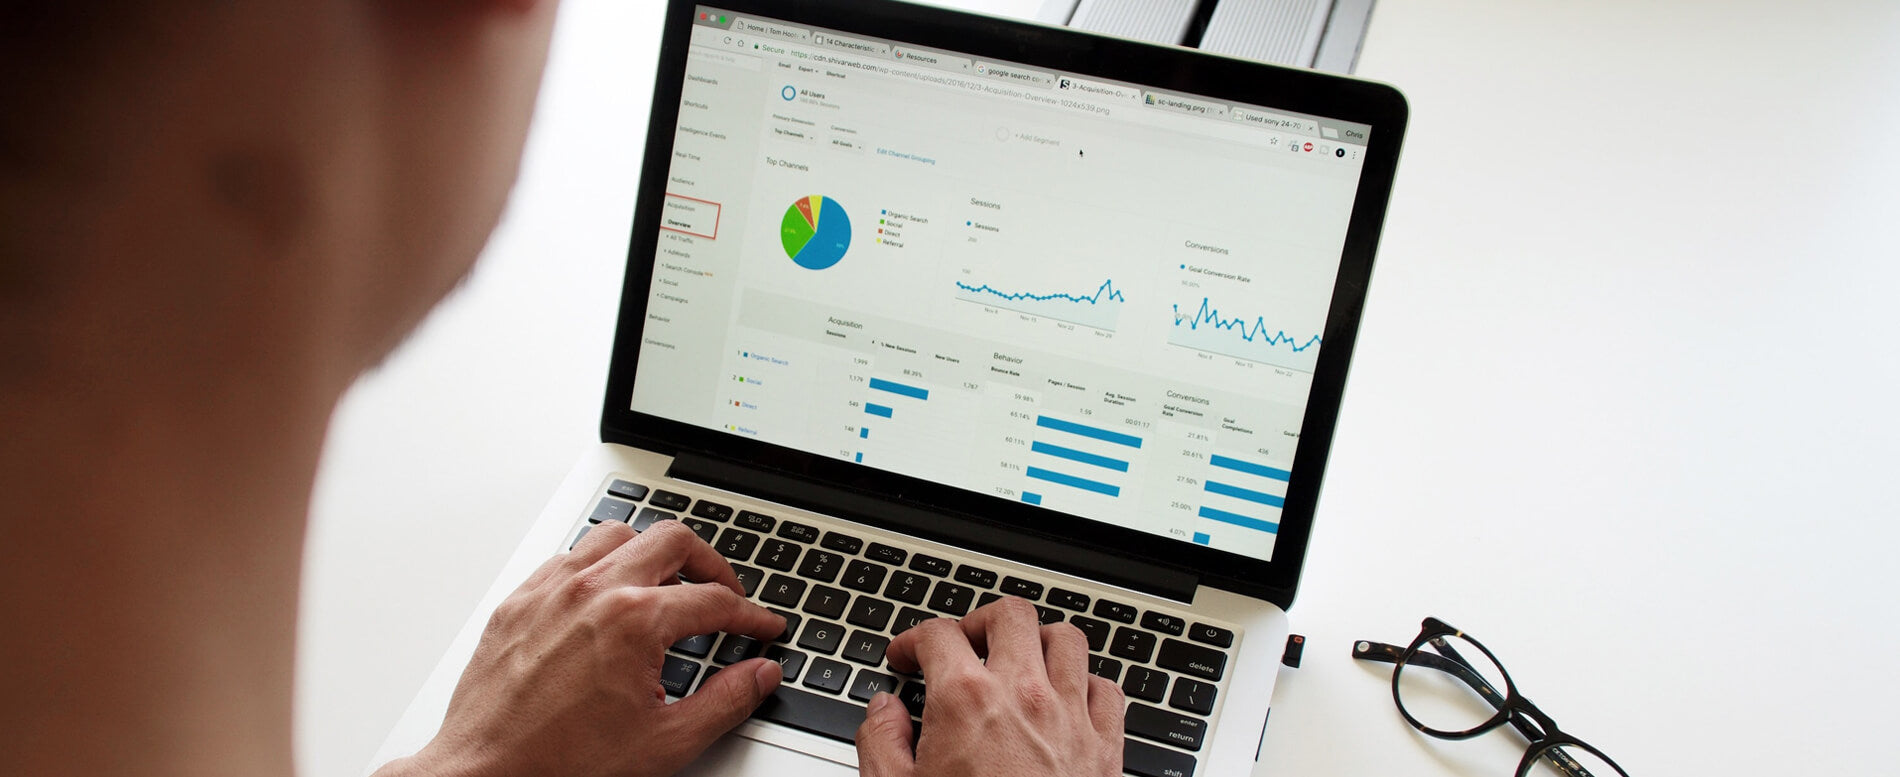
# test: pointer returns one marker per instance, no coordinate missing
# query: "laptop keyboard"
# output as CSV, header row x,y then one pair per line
x,y
844,596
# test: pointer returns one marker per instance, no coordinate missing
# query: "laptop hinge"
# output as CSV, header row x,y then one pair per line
x,y
939,526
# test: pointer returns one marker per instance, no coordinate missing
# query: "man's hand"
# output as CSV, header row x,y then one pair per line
x,y
566,680
1032,711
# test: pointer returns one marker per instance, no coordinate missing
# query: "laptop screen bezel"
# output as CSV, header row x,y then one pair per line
x,y
1160,67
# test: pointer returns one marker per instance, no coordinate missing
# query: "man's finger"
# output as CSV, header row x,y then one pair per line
x,y
1106,707
667,550
884,739
703,608
937,645
1008,631
1066,653
722,702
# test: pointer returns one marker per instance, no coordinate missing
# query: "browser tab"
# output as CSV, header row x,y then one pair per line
x,y
1186,105
771,31
854,45
1015,74
1346,131
932,58
1277,121
1098,89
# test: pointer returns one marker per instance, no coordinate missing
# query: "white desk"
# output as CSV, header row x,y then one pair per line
x,y
1623,406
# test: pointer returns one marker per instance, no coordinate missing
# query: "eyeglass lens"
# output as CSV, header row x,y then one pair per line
x,y
1571,761
1450,686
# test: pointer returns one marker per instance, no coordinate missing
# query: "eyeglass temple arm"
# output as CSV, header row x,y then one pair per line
x,y
1453,663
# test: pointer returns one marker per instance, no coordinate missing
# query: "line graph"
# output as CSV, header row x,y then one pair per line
x,y
1098,310
1206,329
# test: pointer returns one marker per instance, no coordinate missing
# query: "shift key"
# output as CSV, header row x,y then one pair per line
x,y
1146,760
1163,726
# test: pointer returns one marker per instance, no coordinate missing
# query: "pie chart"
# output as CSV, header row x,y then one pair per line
x,y
815,232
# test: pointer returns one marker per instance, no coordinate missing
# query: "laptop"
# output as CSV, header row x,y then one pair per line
x,y
923,309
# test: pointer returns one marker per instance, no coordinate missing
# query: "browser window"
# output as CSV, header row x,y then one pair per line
x,y
1085,295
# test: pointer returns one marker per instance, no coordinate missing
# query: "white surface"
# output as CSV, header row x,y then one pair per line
x,y
1623,405
1260,633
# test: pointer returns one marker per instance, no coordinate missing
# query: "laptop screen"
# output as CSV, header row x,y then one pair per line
x,y
1081,294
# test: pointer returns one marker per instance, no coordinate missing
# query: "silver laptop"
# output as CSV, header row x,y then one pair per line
x,y
924,309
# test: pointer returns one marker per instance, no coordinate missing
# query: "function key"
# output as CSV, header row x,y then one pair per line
x,y
843,543
1212,635
981,578
1016,586
668,500
611,510
1166,624
712,511
930,564
1188,658
649,516
1115,611
798,531
755,521
883,553
1069,599
626,490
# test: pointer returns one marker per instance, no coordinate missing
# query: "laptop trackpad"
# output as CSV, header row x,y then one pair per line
x,y
740,756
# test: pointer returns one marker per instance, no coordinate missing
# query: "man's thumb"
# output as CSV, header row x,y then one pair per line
x,y
728,698
884,746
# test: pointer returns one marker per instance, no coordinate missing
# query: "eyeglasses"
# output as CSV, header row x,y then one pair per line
x,y
1451,687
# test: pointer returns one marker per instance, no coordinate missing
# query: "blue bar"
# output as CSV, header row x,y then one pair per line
x,y
1252,469
1034,499
1080,456
1074,482
1248,494
877,410
864,432
1088,431
880,384
860,458
1201,538
1240,520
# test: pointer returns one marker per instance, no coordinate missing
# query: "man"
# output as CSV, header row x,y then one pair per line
x,y
213,216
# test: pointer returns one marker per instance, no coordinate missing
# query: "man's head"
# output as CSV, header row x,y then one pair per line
x,y
195,189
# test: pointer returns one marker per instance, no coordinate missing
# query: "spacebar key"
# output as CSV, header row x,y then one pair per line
x,y
811,712
1149,761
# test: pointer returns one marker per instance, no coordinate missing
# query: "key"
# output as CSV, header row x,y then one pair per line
x,y
1136,646
1115,611
984,599
736,545
913,697
871,683
630,491
843,543
951,599
820,566
706,530
1146,760
579,537
749,577
1069,599
676,675
712,511
790,661
1192,695
826,602
830,676
783,591
1096,631
798,531
930,565
1016,586
668,500
791,624
1212,635
736,648
821,715
611,510
1167,624
757,522
871,613
649,516
1048,615
779,555
696,646
1187,658
908,618
1105,667
886,554
1145,684
821,637
908,587
864,576
866,648
1163,726
981,578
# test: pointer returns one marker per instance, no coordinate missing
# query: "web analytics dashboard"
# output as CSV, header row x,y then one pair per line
x,y
1084,295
